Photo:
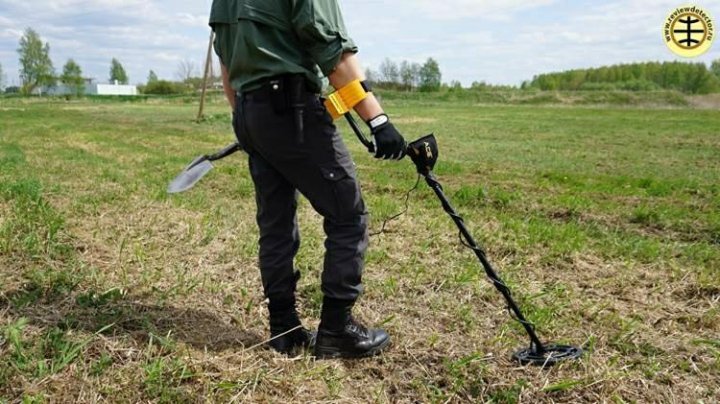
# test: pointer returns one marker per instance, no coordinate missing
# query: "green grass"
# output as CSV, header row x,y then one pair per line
x,y
604,220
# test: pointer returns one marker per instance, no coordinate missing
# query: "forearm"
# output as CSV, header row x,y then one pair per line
x,y
227,87
347,70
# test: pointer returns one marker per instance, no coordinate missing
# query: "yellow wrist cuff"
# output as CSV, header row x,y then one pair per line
x,y
343,100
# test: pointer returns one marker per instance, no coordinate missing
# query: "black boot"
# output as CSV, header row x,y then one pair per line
x,y
341,336
283,319
302,338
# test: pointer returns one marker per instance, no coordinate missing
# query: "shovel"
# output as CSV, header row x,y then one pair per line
x,y
198,169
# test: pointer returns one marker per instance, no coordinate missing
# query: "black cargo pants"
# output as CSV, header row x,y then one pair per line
x,y
321,169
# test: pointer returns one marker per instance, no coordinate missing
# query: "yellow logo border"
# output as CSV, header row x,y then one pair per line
x,y
674,44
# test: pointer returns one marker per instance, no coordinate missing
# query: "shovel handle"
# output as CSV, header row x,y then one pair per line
x,y
230,149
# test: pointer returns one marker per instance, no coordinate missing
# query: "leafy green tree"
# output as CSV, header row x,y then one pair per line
x,y
36,68
715,67
409,74
430,76
455,85
117,72
152,77
72,77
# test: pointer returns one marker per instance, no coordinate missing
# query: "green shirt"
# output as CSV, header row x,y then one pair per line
x,y
259,39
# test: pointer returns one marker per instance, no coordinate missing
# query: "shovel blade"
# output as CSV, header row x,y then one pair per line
x,y
188,178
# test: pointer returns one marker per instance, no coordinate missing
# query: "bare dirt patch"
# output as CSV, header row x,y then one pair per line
x,y
710,101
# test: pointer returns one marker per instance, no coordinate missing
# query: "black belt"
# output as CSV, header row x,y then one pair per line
x,y
272,85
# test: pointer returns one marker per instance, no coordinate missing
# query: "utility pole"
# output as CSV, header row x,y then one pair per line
x,y
208,63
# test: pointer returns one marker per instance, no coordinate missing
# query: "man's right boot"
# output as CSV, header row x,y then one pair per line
x,y
283,318
341,336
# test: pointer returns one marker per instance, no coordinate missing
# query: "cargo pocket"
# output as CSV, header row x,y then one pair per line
x,y
347,202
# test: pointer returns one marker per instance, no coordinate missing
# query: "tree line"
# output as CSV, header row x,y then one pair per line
x,y
406,76
37,71
693,78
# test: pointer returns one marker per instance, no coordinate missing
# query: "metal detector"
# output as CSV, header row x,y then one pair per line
x,y
424,153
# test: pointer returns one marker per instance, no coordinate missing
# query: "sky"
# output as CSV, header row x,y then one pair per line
x,y
499,42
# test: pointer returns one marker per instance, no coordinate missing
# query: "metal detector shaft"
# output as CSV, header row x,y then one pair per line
x,y
494,277
425,171
353,124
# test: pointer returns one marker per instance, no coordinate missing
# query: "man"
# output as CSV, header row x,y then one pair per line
x,y
273,53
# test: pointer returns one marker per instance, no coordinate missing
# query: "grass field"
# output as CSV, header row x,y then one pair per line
x,y
605,221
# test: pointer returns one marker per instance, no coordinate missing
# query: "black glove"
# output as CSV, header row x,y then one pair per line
x,y
389,143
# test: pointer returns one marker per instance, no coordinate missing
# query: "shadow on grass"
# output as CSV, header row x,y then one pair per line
x,y
198,328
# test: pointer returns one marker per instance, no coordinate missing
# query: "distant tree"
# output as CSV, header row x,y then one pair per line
x,y
36,68
371,76
389,73
72,77
409,74
2,79
430,76
193,83
715,67
164,87
415,67
117,72
152,77
703,81
479,86
575,79
186,70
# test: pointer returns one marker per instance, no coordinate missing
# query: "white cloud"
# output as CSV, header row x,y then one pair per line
x,y
142,34
9,33
606,33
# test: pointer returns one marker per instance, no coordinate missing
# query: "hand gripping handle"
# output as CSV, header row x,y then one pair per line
x,y
423,152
